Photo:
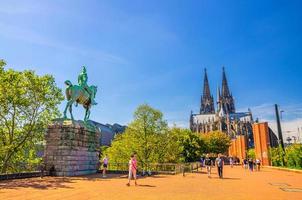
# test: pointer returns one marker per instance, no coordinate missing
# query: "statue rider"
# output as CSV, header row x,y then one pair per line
x,y
82,80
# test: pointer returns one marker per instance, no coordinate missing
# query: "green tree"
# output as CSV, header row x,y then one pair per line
x,y
293,156
251,153
2,64
277,156
142,136
185,145
170,146
216,142
27,104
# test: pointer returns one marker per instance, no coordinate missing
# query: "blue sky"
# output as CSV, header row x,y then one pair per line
x,y
155,51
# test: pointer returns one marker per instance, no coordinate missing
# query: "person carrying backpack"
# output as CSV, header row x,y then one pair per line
x,y
208,163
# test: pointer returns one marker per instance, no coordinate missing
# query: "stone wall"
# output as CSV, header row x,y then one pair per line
x,y
71,148
238,147
261,139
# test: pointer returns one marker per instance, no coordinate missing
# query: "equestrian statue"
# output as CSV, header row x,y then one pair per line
x,y
80,94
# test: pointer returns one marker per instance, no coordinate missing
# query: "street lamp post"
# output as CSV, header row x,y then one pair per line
x,y
279,127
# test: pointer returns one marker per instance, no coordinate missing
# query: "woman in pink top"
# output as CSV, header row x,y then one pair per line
x,y
105,165
132,169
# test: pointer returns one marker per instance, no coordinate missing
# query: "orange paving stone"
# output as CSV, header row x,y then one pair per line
x,y
238,184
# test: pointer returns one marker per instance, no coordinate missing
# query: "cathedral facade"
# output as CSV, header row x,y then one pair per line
x,y
224,118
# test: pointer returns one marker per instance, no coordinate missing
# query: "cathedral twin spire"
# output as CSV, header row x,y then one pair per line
x,y
207,100
225,99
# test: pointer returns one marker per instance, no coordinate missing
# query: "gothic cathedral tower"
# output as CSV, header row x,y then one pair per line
x,y
225,99
207,101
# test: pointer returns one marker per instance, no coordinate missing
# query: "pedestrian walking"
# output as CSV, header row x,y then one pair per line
x,y
258,162
231,162
219,163
132,169
245,163
105,165
251,164
201,162
208,163
42,169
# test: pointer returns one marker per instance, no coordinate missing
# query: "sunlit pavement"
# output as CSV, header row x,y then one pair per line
x,y
237,184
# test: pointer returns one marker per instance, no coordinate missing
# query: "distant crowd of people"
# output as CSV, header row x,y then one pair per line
x,y
251,164
207,162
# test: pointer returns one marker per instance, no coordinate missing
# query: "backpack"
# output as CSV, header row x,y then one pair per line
x,y
207,161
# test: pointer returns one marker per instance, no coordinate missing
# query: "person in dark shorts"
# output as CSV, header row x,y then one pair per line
x,y
245,163
208,163
251,164
105,165
258,162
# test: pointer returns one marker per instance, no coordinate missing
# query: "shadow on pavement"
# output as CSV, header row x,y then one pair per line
x,y
99,177
140,185
37,183
226,178
64,182
200,172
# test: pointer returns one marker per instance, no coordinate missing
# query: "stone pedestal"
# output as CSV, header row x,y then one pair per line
x,y
72,148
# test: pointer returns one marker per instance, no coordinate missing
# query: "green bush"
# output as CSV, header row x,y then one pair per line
x,y
276,156
293,156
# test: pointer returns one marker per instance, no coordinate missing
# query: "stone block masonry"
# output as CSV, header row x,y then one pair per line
x,y
72,147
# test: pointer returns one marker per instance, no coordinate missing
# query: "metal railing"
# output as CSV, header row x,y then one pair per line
x,y
25,170
147,169
156,168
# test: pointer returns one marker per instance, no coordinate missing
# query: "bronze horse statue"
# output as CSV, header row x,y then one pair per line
x,y
79,95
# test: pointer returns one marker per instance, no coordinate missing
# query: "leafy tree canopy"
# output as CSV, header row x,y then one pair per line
x,y
251,154
142,136
149,136
216,142
188,146
27,104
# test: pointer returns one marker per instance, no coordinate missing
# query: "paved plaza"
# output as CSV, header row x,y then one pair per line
x,y
237,184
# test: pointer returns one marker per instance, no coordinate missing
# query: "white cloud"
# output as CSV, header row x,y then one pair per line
x,y
291,118
289,128
267,111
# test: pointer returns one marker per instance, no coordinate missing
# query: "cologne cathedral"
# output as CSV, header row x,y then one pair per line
x,y
224,118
